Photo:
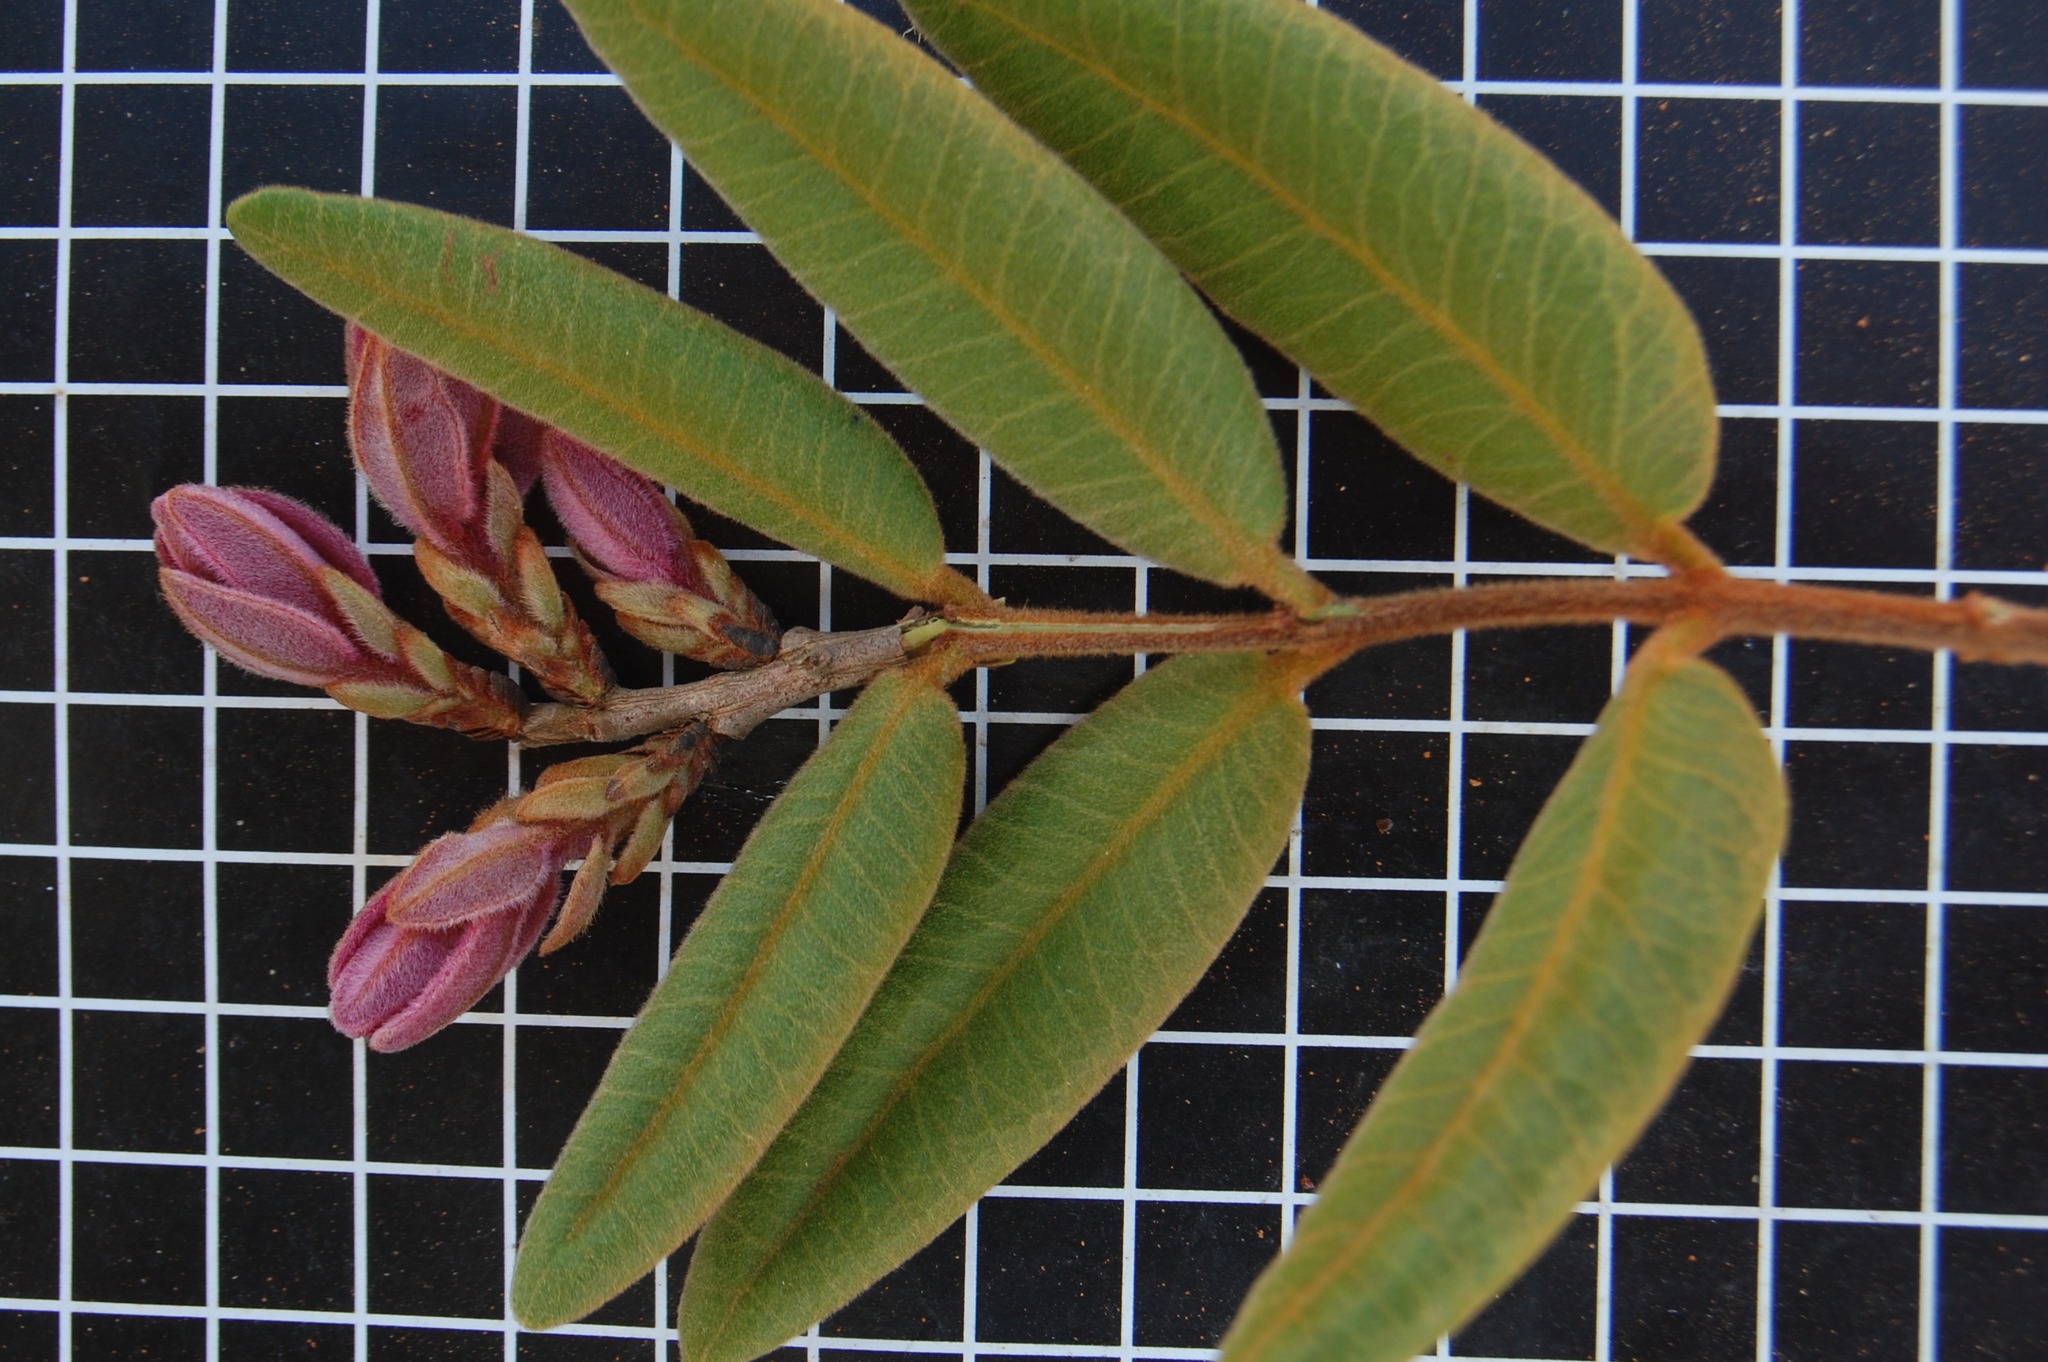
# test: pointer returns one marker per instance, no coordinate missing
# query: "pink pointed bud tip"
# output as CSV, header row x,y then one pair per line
x,y
619,520
250,538
243,568
422,439
477,903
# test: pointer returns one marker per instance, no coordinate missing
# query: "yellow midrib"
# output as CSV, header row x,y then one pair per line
x,y
851,548
1250,557
1643,531
1227,730
826,845
1543,981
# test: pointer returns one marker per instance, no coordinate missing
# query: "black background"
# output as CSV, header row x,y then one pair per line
x,y
193,1164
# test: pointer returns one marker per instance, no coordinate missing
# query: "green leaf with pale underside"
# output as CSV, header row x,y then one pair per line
x,y
1079,908
681,397
974,264
758,998
1621,930
1419,260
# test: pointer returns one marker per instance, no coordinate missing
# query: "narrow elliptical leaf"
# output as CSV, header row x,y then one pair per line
x,y
1423,263
758,998
681,397
1620,932
1076,912
974,264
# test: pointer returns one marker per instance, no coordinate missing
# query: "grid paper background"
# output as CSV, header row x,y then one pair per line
x,y
1853,195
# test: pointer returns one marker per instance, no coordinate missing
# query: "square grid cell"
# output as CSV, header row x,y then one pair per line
x,y
1848,193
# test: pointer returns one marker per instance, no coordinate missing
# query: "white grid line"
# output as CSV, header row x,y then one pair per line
x,y
1948,97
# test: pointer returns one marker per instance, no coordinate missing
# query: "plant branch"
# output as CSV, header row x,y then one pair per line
x,y
732,704
1976,627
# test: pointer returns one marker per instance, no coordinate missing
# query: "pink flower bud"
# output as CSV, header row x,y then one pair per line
x,y
422,439
454,922
502,867
517,446
355,341
242,569
619,519
669,588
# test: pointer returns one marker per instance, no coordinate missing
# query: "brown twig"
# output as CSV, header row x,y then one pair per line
x,y
1976,627
731,703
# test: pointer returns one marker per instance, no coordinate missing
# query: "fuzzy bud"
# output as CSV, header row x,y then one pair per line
x,y
274,587
670,589
453,466
473,904
423,441
454,922
516,445
245,571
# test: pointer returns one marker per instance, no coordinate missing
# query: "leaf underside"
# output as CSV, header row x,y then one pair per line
x,y
1422,262
1081,906
758,998
662,387
1624,922
974,264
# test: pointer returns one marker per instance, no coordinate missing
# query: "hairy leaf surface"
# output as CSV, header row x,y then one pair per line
x,y
681,397
1624,921
974,264
1080,907
1423,263
758,998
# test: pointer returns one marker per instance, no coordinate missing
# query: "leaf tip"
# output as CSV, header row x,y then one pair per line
x,y
533,1302
252,208
704,1334
260,219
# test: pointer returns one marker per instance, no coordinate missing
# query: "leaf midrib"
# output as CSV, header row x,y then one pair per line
x,y
1628,739
1250,556
1226,730
1645,533
826,845
849,547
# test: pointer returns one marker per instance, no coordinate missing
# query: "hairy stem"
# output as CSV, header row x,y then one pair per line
x,y
731,703
1977,627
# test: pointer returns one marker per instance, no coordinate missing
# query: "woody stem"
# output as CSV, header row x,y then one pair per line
x,y
1976,627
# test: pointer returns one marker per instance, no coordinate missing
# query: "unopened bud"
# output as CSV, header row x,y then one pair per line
x,y
453,466
273,587
422,439
501,867
433,941
243,569
671,590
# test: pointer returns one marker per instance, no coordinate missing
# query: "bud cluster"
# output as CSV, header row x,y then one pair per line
x,y
274,587
428,445
472,904
279,590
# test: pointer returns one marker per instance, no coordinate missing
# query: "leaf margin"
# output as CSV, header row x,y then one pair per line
x,y
865,48
1669,660
911,731
315,255
1654,533
1280,678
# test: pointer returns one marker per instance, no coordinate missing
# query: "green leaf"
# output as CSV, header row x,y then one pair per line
x,y
757,1000
1023,307
1423,263
1081,906
1624,922
679,396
